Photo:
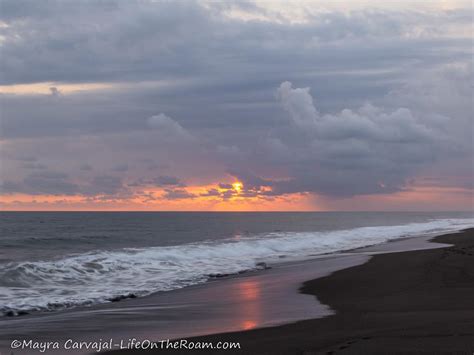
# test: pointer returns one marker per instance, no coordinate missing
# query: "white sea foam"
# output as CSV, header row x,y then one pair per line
x,y
98,276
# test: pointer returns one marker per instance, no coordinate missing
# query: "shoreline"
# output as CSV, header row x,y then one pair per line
x,y
272,294
262,298
409,302
422,241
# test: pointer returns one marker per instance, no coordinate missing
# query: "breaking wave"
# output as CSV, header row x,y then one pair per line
x,y
102,276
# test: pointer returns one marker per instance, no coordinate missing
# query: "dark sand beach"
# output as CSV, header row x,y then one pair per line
x,y
406,296
416,302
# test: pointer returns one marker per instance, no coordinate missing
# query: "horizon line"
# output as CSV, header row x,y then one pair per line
x,y
243,211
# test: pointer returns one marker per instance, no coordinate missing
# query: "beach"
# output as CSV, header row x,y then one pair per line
x,y
236,177
415,302
409,295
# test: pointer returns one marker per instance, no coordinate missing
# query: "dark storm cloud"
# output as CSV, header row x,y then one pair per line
x,y
203,95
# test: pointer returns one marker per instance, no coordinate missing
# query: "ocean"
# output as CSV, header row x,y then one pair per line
x,y
56,260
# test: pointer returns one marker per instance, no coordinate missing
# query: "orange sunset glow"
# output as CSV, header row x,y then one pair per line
x,y
239,118
150,200
237,186
427,198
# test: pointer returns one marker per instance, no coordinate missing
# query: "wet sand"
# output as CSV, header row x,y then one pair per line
x,y
248,301
416,302
261,299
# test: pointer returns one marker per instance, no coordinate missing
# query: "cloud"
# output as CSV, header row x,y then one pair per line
x,y
103,185
167,127
42,183
211,193
28,159
55,91
45,182
177,194
167,180
287,99
120,168
249,179
368,122
34,166
85,42
299,104
369,150
159,181
86,167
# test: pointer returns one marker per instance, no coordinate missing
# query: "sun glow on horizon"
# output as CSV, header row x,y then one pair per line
x,y
234,196
237,186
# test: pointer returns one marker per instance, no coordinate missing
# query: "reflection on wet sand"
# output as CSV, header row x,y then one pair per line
x,y
235,303
249,291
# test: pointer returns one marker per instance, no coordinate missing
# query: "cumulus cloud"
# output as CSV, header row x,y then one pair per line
x,y
167,127
367,150
299,104
368,122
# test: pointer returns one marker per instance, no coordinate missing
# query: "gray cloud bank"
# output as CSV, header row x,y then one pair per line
x,y
341,104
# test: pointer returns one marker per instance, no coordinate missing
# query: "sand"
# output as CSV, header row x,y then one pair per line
x,y
416,302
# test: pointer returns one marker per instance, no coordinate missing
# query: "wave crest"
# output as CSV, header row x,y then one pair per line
x,y
102,276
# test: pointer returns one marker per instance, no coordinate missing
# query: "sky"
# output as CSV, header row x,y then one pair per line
x,y
236,105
